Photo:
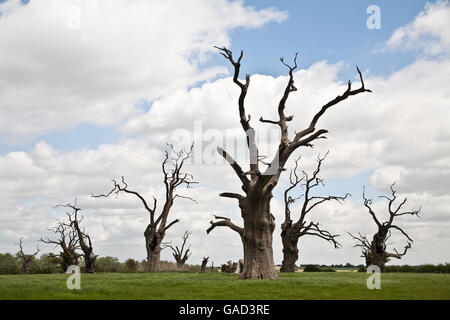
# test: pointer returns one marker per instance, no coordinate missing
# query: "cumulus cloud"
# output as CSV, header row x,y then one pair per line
x,y
401,126
428,32
63,62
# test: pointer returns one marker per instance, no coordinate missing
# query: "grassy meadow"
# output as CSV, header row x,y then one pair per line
x,y
217,285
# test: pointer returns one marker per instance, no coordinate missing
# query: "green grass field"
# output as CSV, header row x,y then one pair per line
x,y
323,285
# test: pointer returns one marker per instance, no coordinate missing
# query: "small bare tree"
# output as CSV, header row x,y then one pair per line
x,y
375,251
26,258
84,239
67,240
290,231
180,254
174,177
204,263
258,183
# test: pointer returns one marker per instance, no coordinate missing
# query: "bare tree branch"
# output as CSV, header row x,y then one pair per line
x,y
315,230
349,92
236,167
224,222
231,195
245,121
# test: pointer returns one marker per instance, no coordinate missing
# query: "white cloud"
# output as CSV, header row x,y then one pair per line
x,y
403,123
429,31
54,76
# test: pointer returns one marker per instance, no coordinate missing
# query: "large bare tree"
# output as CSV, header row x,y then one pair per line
x,y
292,231
258,183
174,177
84,239
67,240
26,258
375,251
181,254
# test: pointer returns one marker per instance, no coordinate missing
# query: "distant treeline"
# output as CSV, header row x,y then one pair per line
x,y
423,268
50,263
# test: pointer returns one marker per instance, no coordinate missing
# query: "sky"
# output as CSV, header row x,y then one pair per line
x,y
92,90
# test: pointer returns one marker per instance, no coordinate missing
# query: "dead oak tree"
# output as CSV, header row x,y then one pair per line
x,y
290,231
26,258
375,251
67,240
84,239
180,254
204,263
174,178
257,184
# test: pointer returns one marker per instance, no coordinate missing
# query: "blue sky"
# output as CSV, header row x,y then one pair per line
x,y
318,30
326,30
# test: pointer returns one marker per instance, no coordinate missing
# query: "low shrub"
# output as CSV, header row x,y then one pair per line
x,y
315,268
9,264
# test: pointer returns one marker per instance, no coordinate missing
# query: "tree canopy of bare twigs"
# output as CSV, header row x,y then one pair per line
x,y
375,251
26,258
183,253
84,239
67,240
292,231
174,178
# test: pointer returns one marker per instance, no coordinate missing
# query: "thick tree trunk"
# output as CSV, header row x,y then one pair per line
x,y
204,263
69,259
290,251
379,250
259,225
89,264
379,256
26,268
153,245
180,266
153,259
380,261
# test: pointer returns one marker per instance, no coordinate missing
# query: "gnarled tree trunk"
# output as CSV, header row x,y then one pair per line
x,y
153,246
290,250
259,225
378,250
204,263
153,259
89,263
